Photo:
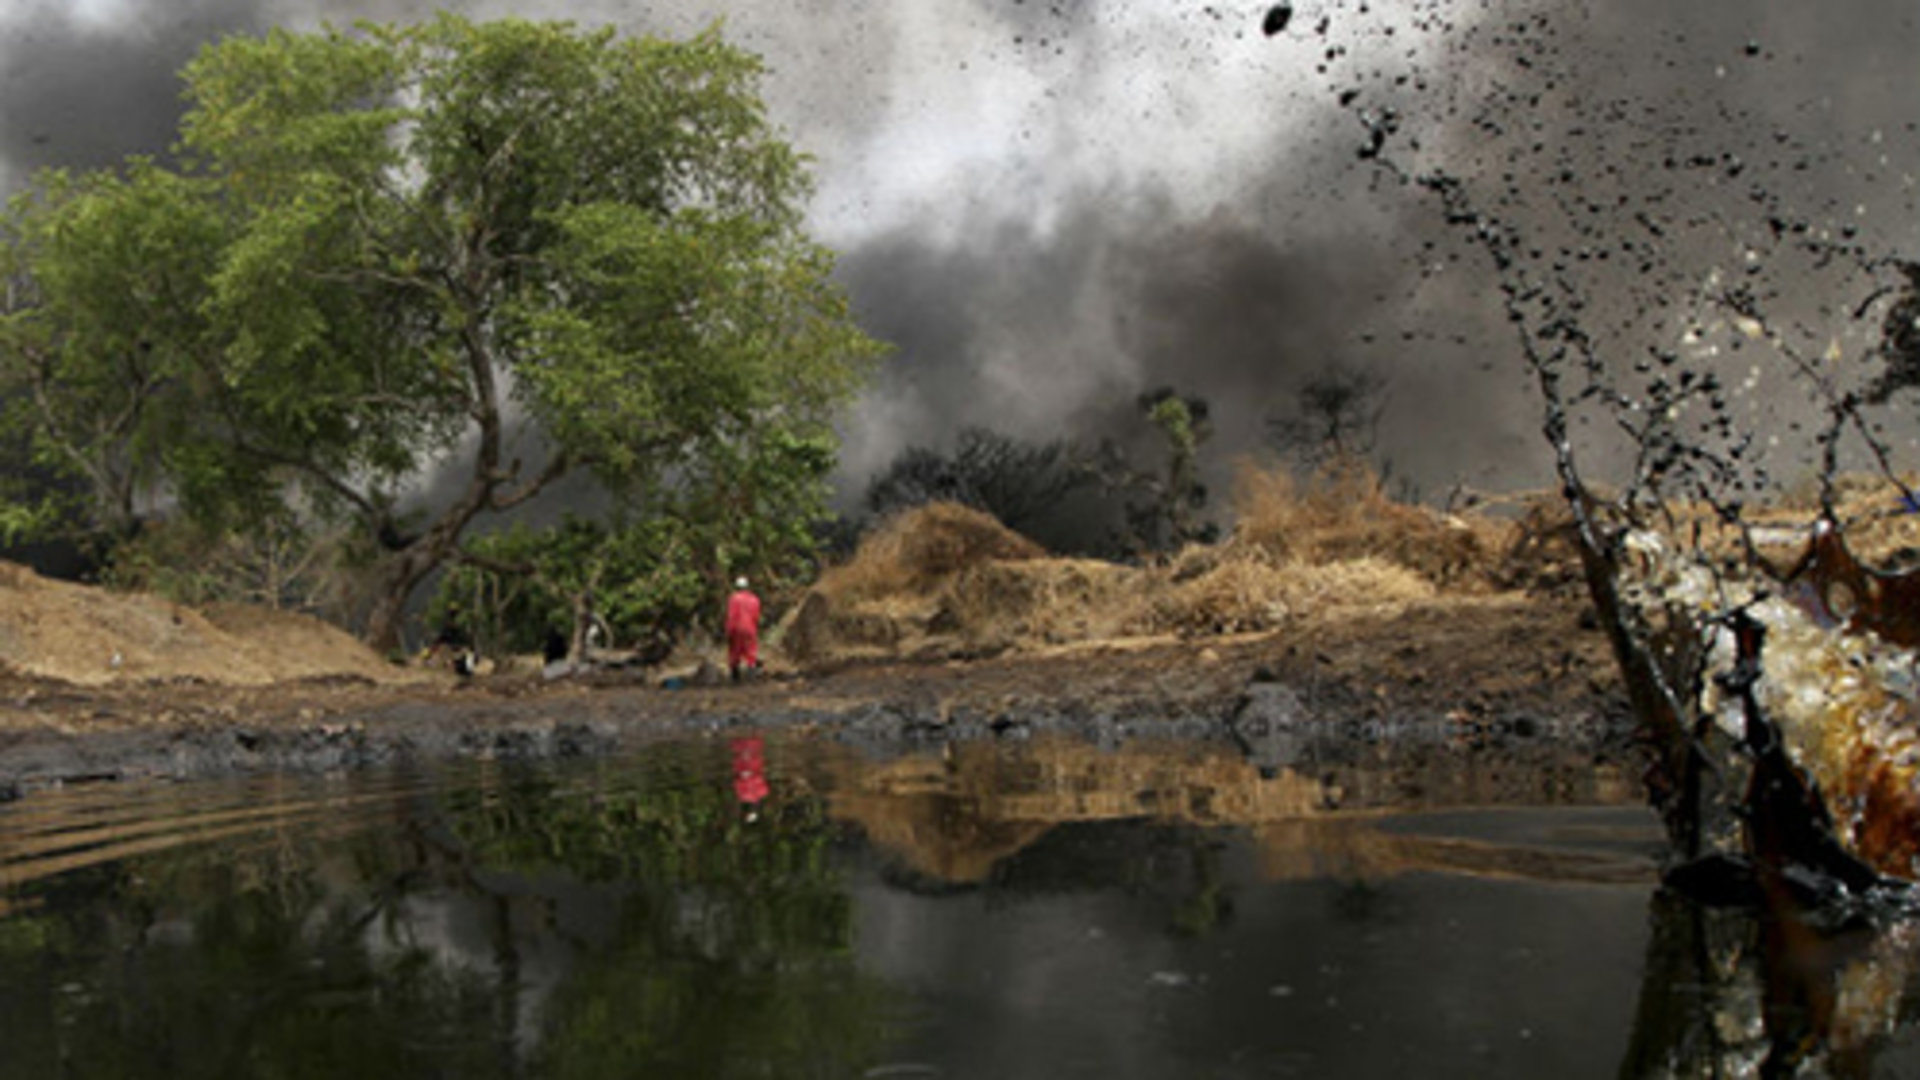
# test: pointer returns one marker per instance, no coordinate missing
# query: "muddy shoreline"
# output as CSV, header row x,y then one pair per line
x,y
1511,677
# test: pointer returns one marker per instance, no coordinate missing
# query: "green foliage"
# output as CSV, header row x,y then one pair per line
x,y
759,501
751,506
39,512
1175,420
522,583
1168,521
465,244
105,280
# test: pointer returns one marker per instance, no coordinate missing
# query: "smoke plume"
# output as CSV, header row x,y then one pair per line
x,y
1050,207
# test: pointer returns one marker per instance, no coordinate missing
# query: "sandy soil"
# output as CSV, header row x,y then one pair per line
x,y
92,637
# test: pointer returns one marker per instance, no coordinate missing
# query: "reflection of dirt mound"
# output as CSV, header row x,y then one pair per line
x,y
954,817
92,636
942,838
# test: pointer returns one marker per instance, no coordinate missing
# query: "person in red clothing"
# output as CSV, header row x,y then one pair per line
x,y
743,630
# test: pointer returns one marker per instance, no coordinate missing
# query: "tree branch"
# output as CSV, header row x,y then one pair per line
x,y
557,466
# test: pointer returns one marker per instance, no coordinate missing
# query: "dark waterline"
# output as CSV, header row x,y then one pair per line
x,y
748,908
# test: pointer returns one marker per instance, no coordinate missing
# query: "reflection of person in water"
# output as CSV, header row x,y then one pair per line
x,y
749,774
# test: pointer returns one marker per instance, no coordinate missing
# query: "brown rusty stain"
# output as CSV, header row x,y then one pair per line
x,y
1838,588
1888,835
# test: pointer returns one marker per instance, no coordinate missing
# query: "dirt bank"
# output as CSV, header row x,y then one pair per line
x,y
1494,670
943,625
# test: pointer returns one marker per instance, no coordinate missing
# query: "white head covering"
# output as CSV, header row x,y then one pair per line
x,y
740,583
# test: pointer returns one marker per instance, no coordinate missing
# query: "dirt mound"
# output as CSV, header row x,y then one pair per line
x,y
92,636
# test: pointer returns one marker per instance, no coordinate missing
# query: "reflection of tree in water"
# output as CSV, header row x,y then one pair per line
x,y
211,963
1209,904
723,950
732,950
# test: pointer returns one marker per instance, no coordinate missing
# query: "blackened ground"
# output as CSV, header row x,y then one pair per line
x,y
1505,676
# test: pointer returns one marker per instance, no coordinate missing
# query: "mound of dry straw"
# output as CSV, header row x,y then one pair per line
x,y
916,550
1244,588
1343,514
894,587
1332,543
944,579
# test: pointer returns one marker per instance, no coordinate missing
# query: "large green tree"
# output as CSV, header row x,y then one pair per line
x,y
487,256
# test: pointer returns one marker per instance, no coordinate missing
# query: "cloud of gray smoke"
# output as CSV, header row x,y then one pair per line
x,y
1664,165
1051,207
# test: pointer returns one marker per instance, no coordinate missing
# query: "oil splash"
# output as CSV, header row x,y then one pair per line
x,y
1838,677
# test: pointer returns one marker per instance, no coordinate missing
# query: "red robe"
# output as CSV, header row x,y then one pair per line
x,y
743,630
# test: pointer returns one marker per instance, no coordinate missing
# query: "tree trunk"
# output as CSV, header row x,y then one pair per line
x,y
384,622
582,627
387,619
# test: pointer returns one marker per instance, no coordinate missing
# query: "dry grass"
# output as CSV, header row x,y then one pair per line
x,y
1051,601
914,550
945,578
1879,530
1343,515
1246,593
92,636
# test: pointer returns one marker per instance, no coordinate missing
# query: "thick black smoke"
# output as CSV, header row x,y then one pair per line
x,y
82,93
1054,333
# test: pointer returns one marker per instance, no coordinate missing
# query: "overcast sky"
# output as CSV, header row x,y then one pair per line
x,y
1052,205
